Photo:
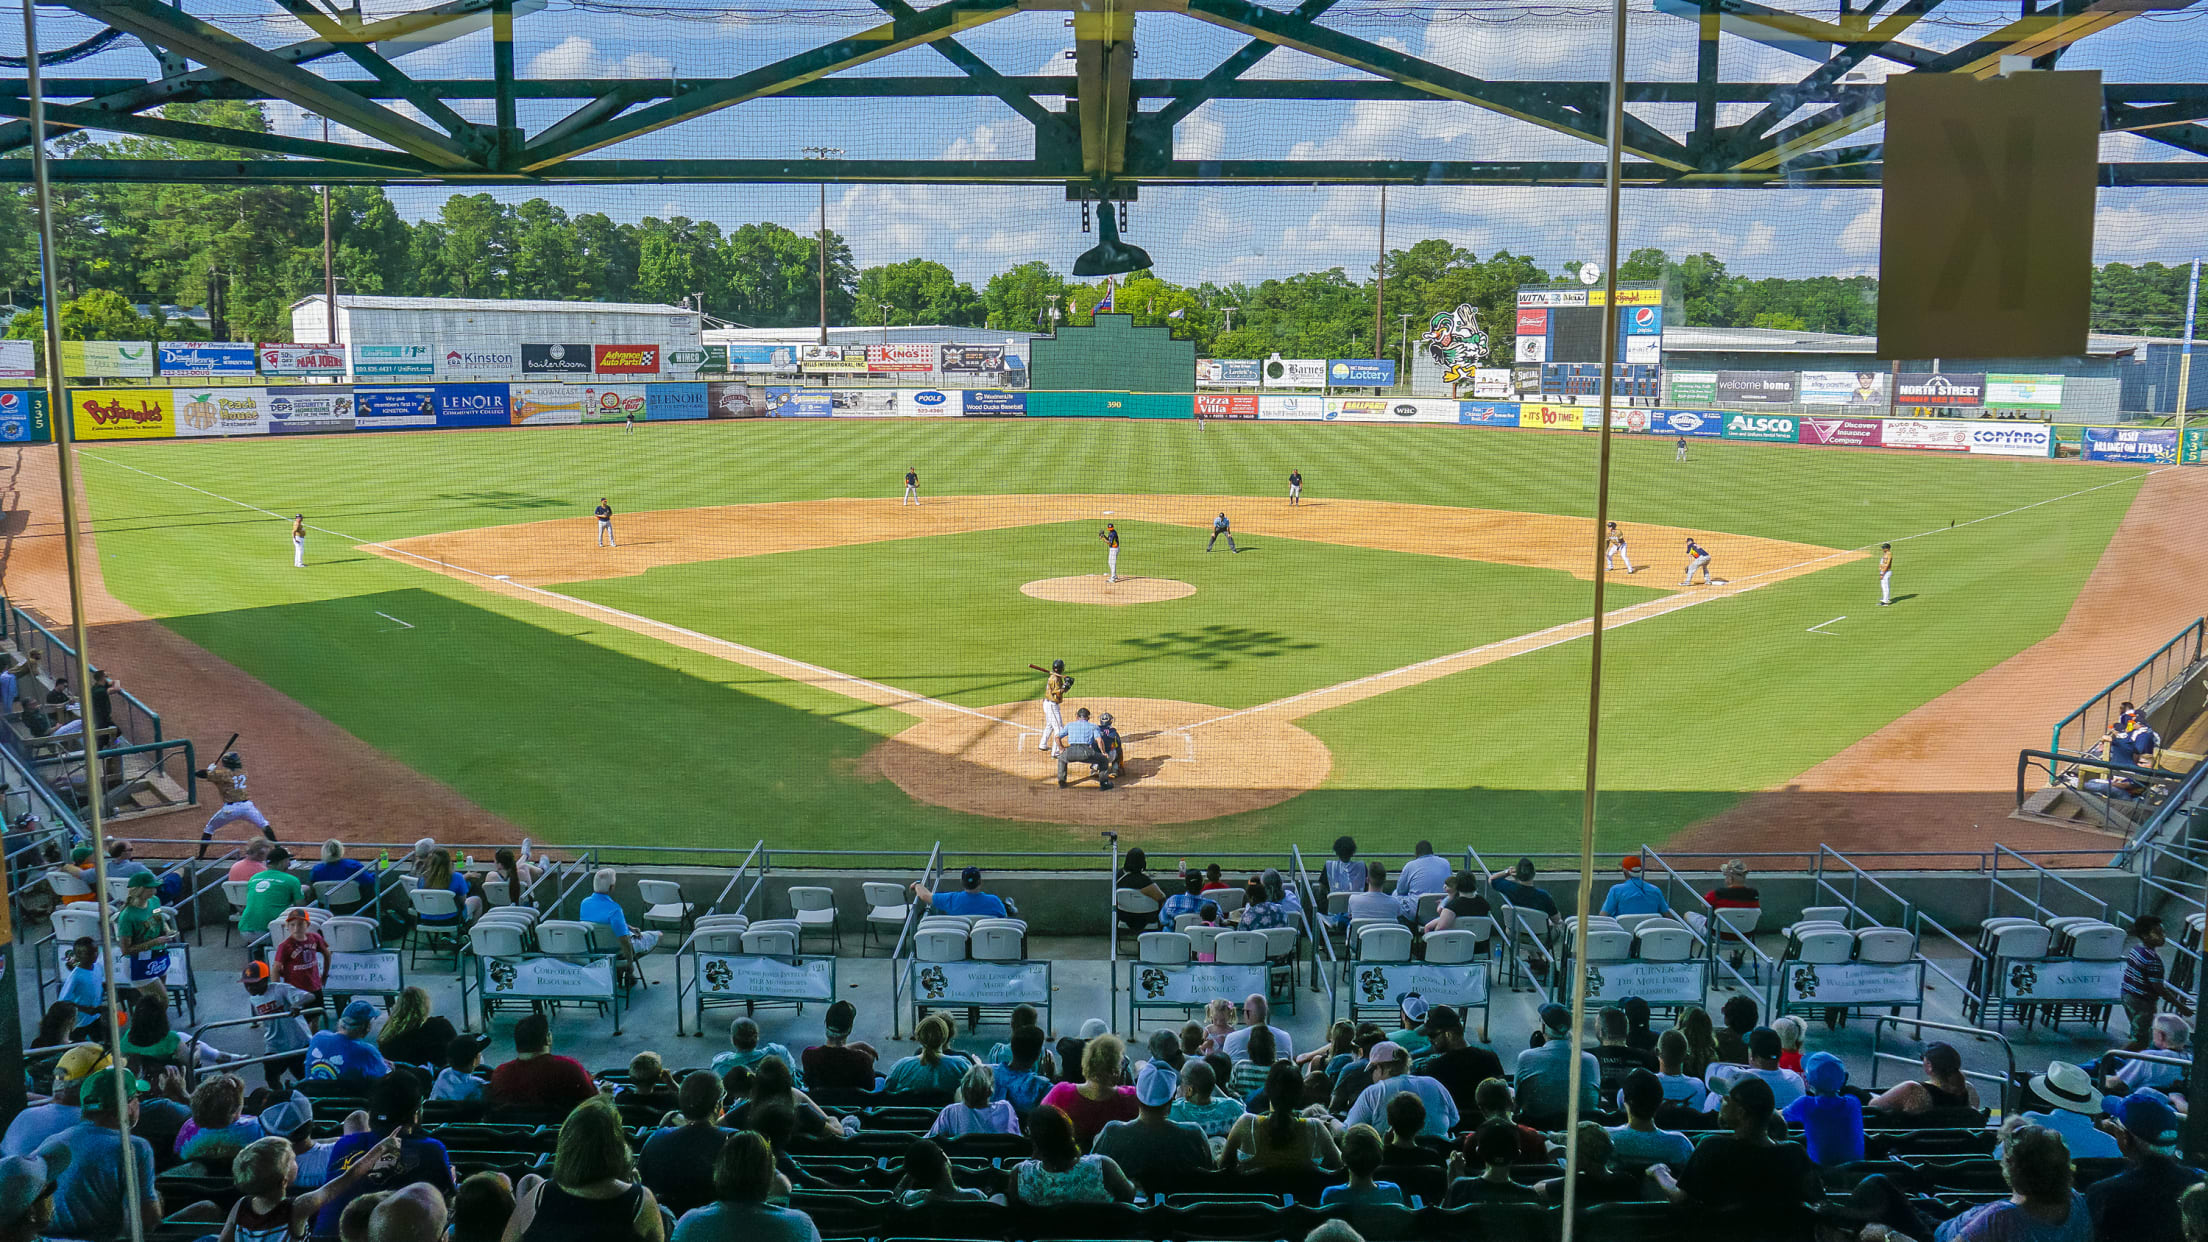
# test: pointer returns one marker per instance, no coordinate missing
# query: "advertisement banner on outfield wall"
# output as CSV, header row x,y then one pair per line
x,y
735,399
1361,372
1843,388
1294,372
122,413
1691,387
674,402
1776,428
221,411
302,409
1390,410
1487,413
1944,388
865,402
1841,432
2140,445
23,416
832,359
763,359
546,405
1493,384
1686,422
896,358
2196,444
978,403
470,362
1226,405
1550,417
281,359
1939,434
2013,439
1755,388
2024,392
1533,349
394,408
1291,409
694,360
625,359
107,359
572,358
934,402
612,403
799,403
1228,373
394,362
971,362
18,360
472,405
204,358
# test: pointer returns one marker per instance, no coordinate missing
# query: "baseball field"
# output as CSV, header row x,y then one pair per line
x,y
781,648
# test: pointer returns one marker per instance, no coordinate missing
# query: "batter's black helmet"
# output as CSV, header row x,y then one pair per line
x,y
1057,666
231,760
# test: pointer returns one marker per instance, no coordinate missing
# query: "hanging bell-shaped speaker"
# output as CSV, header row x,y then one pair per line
x,y
1110,257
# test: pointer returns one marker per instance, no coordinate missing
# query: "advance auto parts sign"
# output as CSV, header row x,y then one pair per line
x,y
1779,428
626,359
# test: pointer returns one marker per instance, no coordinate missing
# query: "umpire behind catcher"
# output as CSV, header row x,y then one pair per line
x,y
1080,738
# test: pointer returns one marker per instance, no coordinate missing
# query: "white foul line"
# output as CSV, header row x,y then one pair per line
x,y
388,617
1819,628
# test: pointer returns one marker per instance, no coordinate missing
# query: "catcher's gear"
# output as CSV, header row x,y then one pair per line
x,y
232,761
1105,719
1057,666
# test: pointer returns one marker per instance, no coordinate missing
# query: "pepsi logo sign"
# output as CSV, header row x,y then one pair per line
x,y
1644,316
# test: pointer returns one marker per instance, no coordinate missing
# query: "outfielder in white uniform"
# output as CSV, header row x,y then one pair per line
x,y
1615,550
1698,557
299,540
1885,574
228,775
1054,698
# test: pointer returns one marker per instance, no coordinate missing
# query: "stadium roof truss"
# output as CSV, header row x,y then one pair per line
x,y
1091,131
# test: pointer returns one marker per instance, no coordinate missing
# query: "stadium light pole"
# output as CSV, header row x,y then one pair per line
x,y
58,416
2185,359
825,153
329,270
1380,283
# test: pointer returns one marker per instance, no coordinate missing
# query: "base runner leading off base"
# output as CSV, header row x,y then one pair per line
x,y
1110,536
1613,549
228,775
1054,698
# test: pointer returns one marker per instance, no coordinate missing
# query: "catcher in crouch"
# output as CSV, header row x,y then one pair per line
x,y
228,775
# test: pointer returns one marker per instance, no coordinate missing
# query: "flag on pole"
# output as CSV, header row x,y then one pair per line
x,y
1179,314
1105,303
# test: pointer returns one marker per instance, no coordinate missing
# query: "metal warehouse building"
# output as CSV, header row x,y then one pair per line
x,y
491,325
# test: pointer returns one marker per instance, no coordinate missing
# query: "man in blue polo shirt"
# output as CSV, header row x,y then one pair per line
x,y
1633,895
969,900
1079,737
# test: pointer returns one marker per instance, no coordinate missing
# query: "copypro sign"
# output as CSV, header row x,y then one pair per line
x,y
625,359
556,359
205,358
2013,439
1361,372
1776,428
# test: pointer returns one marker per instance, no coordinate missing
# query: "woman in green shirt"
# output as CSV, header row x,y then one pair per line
x,y
143,929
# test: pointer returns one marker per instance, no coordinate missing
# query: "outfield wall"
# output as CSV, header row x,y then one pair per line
x,y
186,413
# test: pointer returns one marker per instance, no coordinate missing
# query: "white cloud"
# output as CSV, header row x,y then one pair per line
x,y
985,143
578,57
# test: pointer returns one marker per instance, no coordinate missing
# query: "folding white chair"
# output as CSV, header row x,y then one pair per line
x,y
345,893
565,938
1241,948
1454,947
1428,906
886,908
1672,943
498,938
1821,945
771,941
1821,914
1884,945
1204,938
939,944
446,934
497,892
992,941
1228,900
233,892
1165,948
2099,942
352,934
1609,944
665,908
1282,944
814,910
1382,942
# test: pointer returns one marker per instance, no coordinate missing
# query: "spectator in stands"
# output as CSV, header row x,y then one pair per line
x,y
1462,904
1458,1065
1791,1031
1262,908
773,1091
1733,894
1498,1103
335,868
481,1207
968,901
1741,1017
1943,1085
746,1050
264,1171
1021,1081
1769,1182
1616,1057
436,871
926,1178
1154,1150
1763,1062
1339,1049
2074,1110
1219,1019
1406,1124
1829,1118
744,1180
1361,1152
593,1194
1376,902
1134,874
1698,1048
650,1086
1343,873
352,1223
1426,872
1516,887
409,1214
412,1033
2140,1203
1257,1012
1280,1140
120,862
84,986
303,956
252,857
394,1109
1022,1016
1544,1072
1493,1148
1203,1105
1633,894
458,1080
678,1161
976,1111
1250,1075
151,1045
279,1005
517,870
27,1188
1639,1143
1600,1181
1411,1036
39,1122
2145,988
2192,1209
931,1069
88,1186
2171,1034
1165,1047
1098,1099
218,1130
1277,891
537,1079
346,1052
1392,1076
1188,901
1060,1175
840,1064
271,891
601,908
2043,1204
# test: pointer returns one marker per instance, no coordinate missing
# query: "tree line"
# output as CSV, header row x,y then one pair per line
x,y
252,251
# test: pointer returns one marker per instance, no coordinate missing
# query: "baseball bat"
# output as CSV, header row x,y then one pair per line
x,y
1038,668
227,745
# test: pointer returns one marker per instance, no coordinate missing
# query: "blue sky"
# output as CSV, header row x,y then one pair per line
x,y
1225,233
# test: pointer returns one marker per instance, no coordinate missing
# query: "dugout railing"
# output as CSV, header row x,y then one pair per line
x,y
132,718
2170,664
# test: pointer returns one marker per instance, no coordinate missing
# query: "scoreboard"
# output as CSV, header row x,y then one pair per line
x,y
1560,332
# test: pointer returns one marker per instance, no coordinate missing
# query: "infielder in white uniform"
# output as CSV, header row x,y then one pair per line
x,y
228,775
1698,557
1885,574
299,540
1615,549
1054,698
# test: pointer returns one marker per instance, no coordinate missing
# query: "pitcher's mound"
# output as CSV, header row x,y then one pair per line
x,y
1175,773
1093,589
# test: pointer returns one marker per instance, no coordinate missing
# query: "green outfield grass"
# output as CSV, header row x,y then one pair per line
x,y
545,717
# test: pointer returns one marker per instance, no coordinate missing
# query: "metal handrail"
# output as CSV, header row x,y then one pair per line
x,y
57,768
134,706
1925,922
1857,877
1314,926
2197,631
1880,1022
1715,934
931,876
1111,933
757,848
2039,889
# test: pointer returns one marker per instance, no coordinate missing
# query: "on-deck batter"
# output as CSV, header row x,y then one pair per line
x,y
1054,698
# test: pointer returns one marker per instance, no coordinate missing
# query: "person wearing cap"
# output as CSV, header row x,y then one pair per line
x,y
969,901
840,1064
2140,1203
1256,1012
140,930
88,1194
1411,1036
81,869
539,1079
1544,1073
271,891
278,1005
1188,901
27,1185
2074,1110
1633,894
302,956
34,1125
292,1120
458,1080
1392,1076
1763,1063
346,1052
1943,1086
1741,1168
1457,1064
394,1110
1153,1150
1830,1120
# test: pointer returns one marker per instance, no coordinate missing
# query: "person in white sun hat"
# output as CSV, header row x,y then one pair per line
x,y
2074,1110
